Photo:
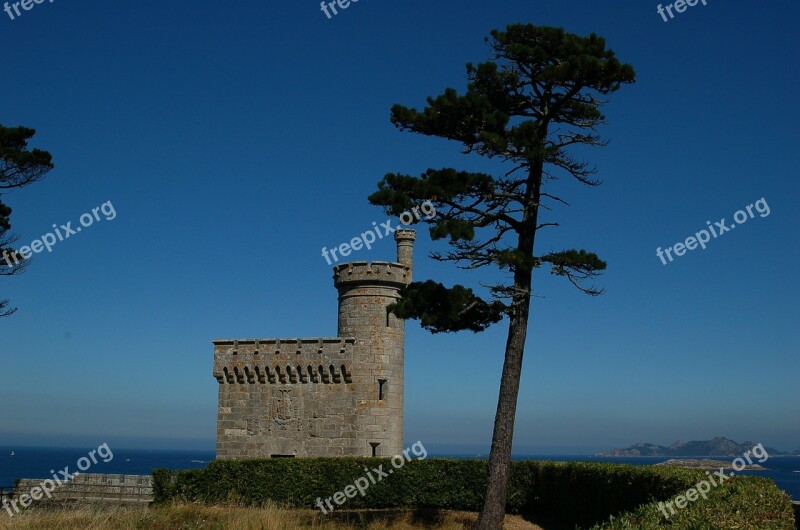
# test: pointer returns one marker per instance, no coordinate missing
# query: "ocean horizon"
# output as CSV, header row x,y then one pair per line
x,y
43,462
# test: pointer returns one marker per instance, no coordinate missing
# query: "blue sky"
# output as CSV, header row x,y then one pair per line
x,y
236,140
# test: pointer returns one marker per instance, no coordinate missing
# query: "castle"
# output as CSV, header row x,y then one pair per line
x,y
340,396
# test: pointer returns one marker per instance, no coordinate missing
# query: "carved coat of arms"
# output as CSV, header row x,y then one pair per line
x,y
286,408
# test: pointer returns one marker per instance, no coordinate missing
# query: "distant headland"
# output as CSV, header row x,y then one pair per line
x,y
704,464
716,447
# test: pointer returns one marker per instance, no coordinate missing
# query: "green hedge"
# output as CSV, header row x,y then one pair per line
x,y
609,496
743,502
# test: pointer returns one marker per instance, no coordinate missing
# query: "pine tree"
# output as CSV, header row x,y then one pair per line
x,y
537,96
19,167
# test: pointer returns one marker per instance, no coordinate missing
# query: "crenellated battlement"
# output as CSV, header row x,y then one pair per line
x,y
283,360
245,373
379,272
284,349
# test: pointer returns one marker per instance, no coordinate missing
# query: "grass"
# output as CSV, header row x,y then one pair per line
x,y
200,517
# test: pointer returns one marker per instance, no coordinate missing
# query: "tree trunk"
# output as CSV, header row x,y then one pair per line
x,y
493,512
494,506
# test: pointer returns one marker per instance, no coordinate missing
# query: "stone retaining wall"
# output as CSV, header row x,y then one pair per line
x,y
93,488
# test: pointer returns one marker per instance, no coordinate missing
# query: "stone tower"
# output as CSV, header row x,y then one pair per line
x,y
339,396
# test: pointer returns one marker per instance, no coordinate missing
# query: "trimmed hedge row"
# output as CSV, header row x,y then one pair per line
x,y
609,496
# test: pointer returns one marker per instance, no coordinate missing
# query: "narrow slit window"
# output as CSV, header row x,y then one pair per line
x,y
382,389
374,446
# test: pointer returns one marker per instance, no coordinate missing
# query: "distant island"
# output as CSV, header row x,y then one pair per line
x,y
716,447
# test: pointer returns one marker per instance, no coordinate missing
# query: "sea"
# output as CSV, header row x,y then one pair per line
x,y
42,463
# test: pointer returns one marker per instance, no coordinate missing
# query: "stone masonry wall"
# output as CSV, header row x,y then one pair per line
x,y
288,397
95,488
